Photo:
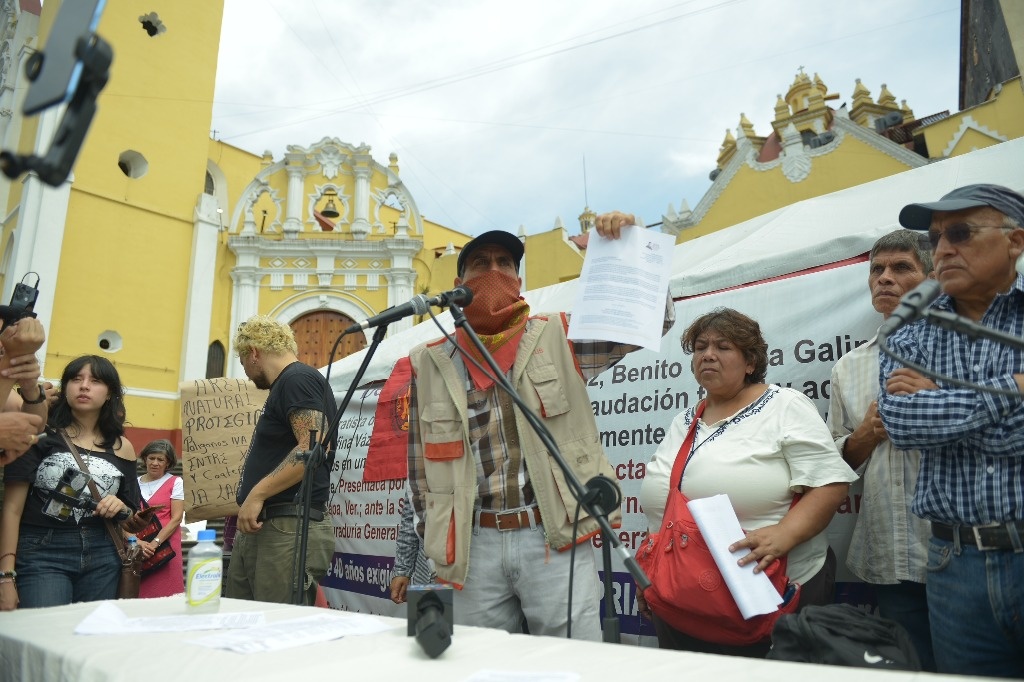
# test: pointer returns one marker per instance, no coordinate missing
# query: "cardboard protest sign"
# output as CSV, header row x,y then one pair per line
x,y
217,421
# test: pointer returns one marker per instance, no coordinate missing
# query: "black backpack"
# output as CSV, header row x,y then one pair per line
x,y
841,634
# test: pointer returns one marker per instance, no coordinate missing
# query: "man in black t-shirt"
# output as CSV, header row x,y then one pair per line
x,y
300,401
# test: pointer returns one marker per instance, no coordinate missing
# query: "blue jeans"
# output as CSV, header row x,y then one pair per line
x,y
975,603
65,565
515,578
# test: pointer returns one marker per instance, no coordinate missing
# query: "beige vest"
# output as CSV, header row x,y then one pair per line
x,y
545,376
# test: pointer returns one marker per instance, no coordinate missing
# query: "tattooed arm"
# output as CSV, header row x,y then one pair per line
x,y
287,474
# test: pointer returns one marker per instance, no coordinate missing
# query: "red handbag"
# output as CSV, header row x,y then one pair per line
x,y
687,590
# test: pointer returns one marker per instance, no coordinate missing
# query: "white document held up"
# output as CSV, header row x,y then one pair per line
x,y
622,288
754,593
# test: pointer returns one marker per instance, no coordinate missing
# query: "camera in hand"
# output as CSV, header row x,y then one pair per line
x,y
429,613
68,496
23,301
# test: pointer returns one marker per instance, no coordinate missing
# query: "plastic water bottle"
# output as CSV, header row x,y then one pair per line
x,y
205,568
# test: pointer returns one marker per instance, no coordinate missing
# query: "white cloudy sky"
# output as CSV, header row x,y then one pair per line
x,y
492,106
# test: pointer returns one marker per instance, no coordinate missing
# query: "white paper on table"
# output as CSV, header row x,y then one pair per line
x,y
622,288
109,619
716,519
287,634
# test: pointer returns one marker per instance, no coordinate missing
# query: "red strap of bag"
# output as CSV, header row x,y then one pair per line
x,y
682,457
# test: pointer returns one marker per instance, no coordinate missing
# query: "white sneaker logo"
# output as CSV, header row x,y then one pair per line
x,y
873,659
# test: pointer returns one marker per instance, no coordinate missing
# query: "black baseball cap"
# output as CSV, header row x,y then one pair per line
x,y
506,240
1004,200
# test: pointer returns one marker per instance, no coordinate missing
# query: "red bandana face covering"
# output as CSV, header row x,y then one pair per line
x,y
498,315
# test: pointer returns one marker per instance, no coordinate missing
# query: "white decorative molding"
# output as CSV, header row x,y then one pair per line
x,y
343,209
251,224
155,395
295,307
968,123
796,165
331,159
401,196
879,142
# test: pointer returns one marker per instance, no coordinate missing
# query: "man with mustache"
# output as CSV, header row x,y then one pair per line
x,y
889,547
971,484
497,516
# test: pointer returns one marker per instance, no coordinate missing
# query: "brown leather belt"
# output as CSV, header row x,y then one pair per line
x,y
509,520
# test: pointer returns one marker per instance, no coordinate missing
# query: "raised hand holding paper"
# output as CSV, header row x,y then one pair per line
x,y
622,288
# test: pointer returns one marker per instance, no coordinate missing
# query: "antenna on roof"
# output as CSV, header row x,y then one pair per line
x,y
586,199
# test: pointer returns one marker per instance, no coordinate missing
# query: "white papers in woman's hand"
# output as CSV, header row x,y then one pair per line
x,y
754,593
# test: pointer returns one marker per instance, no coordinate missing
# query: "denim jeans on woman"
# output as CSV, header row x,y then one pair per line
x,y
975,602
61,566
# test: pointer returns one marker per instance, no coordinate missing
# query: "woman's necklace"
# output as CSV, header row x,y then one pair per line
x,y
725,423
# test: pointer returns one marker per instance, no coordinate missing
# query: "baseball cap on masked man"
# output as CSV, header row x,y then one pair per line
x,y
1002,199
506,240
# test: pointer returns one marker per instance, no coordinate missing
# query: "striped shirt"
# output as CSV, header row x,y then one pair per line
x,y
410,561
972,442
889,543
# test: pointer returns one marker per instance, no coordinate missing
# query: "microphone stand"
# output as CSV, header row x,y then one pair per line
x,y
971,329
598,497
312,460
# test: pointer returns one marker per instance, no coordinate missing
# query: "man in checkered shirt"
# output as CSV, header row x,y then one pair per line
x,y
958,399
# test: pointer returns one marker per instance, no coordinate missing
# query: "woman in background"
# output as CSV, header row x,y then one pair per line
x,y
164,491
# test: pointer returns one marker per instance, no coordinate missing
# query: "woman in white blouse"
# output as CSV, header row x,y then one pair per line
x,y
760,445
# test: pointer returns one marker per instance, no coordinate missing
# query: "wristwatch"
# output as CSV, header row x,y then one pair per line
x,y
35,401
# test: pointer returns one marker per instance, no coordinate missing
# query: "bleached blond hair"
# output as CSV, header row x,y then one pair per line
x,y
266,335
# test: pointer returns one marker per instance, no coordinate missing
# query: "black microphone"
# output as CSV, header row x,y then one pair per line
x,y
432,632
911,307
418,305
429,617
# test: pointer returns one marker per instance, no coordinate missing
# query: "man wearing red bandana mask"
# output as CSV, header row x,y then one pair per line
x,y
492,503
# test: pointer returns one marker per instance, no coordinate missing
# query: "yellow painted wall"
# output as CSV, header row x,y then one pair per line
x,y
551,259
126,252
1001,115
755,192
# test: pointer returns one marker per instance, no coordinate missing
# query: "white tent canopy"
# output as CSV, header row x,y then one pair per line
x,y
804,235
